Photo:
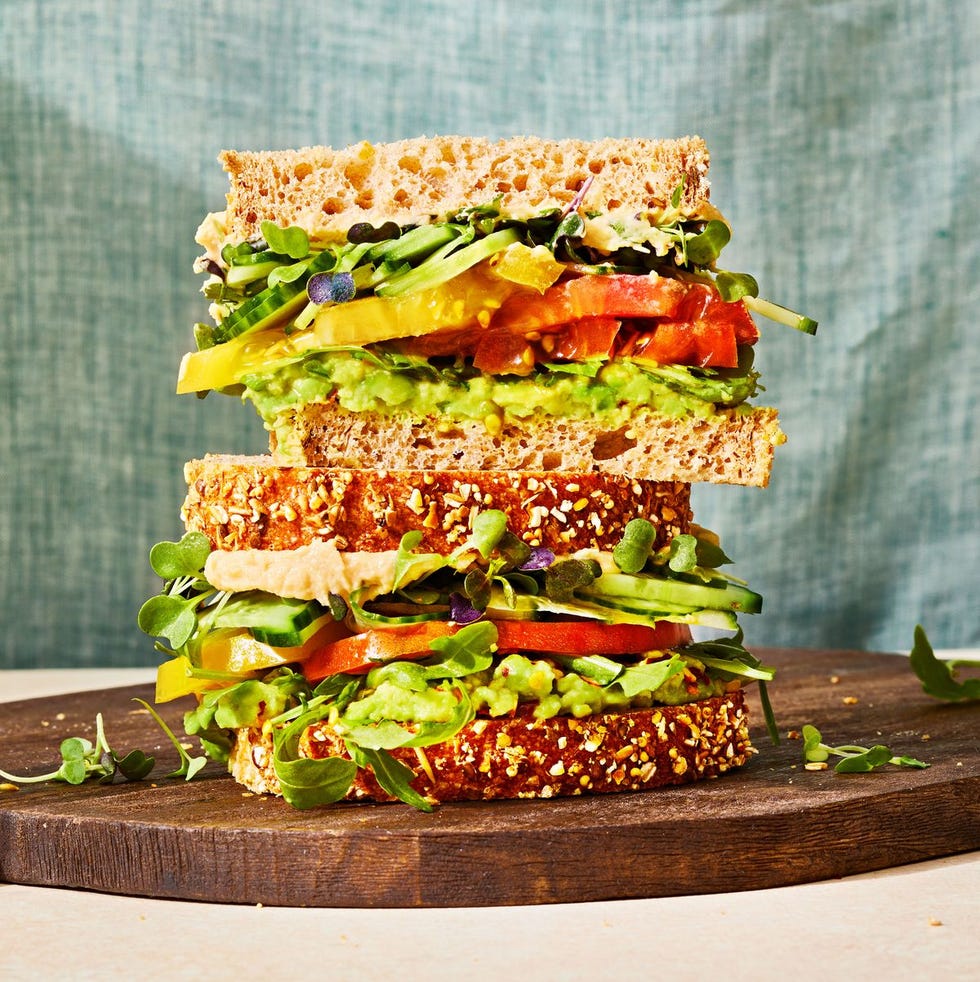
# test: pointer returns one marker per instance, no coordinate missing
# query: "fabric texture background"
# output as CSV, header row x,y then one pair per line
x,y
844,139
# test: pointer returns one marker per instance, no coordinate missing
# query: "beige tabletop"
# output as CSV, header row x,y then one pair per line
x,y
912,922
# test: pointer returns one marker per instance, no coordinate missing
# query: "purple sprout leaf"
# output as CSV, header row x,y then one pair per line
x,y
540,558
461,611
331,288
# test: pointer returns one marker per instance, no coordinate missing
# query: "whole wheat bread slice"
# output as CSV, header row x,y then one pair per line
x,y
523,757
412,181
252,503
733,446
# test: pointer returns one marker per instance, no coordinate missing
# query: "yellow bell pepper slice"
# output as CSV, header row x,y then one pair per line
x,y
468,299
237,654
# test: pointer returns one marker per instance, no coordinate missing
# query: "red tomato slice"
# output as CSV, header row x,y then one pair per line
x,y
705,330
589,637
362,651
583,339
503,353
617,295
359,653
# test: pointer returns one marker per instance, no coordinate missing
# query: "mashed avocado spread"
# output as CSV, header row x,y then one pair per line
x,y
362,384
514,680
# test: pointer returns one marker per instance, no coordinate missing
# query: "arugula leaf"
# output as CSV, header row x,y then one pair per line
x,y
305,782
937,677
467,651
393,776
648,676
854,759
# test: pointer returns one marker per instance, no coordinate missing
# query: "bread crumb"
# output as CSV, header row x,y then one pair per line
x,y
850,700
834,679
935,922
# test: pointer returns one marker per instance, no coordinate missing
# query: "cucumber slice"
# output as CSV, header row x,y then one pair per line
x,y
415,244
633,611
239,276
439,268
660,590
282,623
273,304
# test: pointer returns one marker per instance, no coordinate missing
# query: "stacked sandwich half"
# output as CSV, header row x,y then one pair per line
x,y
468,567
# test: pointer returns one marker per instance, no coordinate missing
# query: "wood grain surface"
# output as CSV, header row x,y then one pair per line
x,y
773,823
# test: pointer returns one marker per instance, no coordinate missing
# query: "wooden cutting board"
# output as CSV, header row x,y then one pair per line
x,y
771,824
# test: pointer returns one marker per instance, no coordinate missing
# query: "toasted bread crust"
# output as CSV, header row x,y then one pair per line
x,y
411,181
251,503
733,446
521,757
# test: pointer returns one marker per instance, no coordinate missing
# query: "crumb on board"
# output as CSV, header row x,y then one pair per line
x,y
850,700
7,786
834,679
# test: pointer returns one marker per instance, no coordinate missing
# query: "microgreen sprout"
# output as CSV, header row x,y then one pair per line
x,y
854,759
633,550
81,760
292,241
189,766
173,614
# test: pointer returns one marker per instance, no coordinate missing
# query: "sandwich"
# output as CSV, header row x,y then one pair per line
x,y
468,567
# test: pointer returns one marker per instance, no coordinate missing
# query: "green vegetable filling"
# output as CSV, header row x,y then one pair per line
x,y
369,381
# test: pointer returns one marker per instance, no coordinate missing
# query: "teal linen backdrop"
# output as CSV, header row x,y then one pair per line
x,y
844,139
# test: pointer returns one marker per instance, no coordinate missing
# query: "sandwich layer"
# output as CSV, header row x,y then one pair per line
x,y
522,757
417,180
733,446
255,503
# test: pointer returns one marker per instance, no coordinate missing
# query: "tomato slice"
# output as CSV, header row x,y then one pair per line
x,y
359,653
498,351
589,637
617,295
705,330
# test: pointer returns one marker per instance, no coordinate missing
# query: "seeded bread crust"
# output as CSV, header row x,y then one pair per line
x,y
326,191
521,757
251,503
734,446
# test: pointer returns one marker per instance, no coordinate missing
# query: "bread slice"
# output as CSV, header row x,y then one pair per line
x,y
254,503
732,446
521,757
325,191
